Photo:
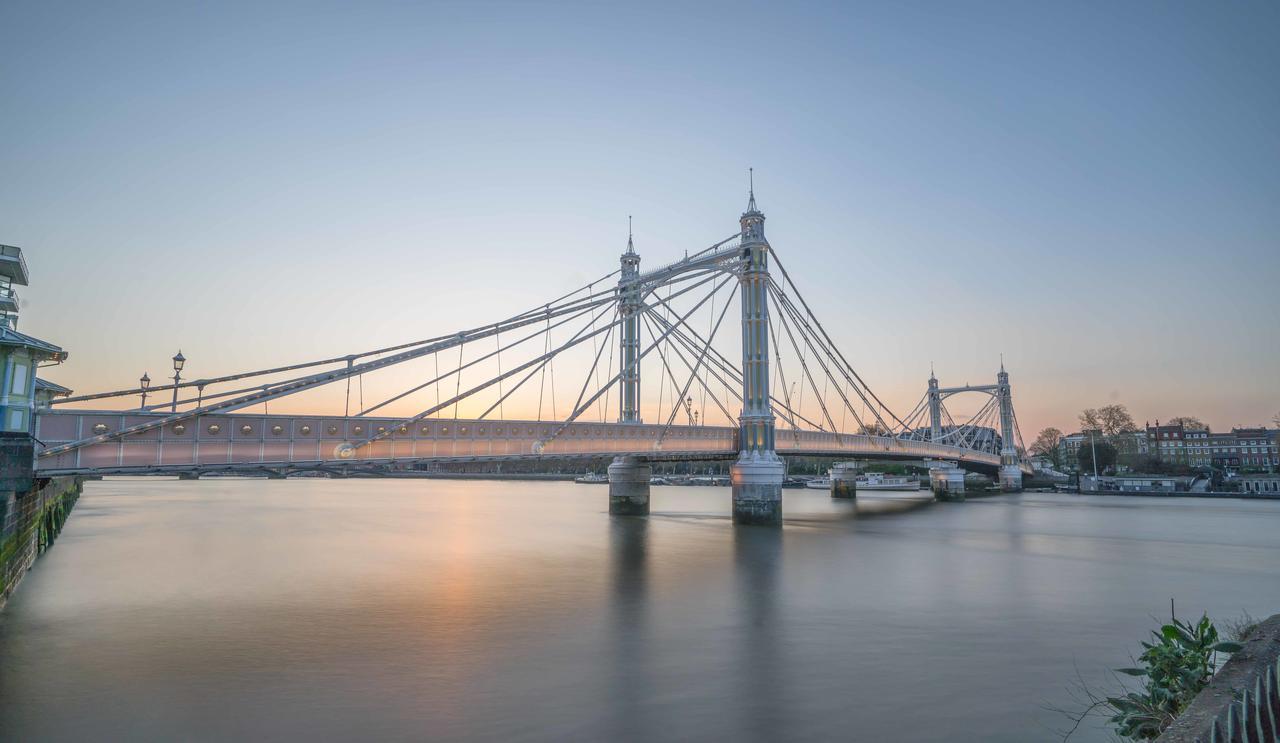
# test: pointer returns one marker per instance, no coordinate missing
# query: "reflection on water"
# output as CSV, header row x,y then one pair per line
x,y
403,610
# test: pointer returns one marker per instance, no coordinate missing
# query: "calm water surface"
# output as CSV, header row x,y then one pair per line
x,y
447,610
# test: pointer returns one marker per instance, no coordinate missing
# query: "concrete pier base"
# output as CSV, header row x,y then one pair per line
x,y
947,482
757,490
1011,478
844,476
629,486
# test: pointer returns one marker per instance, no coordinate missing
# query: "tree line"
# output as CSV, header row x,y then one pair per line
x,y
1112,426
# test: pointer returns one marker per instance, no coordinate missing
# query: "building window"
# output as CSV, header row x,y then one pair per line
x,y
19,386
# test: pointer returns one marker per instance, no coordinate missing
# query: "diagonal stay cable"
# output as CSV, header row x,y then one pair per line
x,y
637,360
734,374
733,384
535,334
541,366
205,382
301,384
569,344
693,373
803,365
815,343
596,363
706,388
831,343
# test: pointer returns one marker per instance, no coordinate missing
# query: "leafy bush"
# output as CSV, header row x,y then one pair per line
x,y
1178,663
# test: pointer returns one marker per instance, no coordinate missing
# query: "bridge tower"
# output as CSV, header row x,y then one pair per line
x,y
1010,465
935,408
758,473
629,305
628,475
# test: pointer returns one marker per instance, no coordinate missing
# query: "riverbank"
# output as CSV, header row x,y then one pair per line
x,y
30,522
1183,494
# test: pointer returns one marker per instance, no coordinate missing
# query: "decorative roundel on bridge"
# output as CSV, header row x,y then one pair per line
x,y
246,429
277,430
404,430
480,431
426,430
100,428
462,430
382,429
344,450
333,430
214,428
538,446
444,430
497,431
358,429
306,430
179,429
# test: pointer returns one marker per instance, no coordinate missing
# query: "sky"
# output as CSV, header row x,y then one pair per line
x,y
1090,189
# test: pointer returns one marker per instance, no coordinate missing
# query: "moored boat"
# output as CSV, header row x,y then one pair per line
x,y
881,481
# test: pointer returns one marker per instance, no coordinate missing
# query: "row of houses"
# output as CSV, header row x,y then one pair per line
x,y
1241,448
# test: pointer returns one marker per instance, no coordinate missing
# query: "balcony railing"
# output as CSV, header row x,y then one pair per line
x,y
14,254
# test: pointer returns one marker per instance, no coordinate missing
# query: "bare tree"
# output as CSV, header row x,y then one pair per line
x,y
1116,420
1109,419
1189,422
1046,444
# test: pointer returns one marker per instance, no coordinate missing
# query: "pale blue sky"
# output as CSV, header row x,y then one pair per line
x,y
1092,189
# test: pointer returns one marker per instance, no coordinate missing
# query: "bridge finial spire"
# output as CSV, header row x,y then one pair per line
x,y
751,190
631,248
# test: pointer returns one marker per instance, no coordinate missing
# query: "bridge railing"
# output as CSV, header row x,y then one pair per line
x,y
243,439
283,439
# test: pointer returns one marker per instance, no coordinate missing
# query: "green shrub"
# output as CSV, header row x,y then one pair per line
x,y
1175,666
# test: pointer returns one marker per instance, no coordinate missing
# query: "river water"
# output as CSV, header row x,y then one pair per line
x,y
486,610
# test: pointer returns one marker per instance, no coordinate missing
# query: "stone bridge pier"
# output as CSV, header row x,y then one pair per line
x,y
946,480
844,477
629,486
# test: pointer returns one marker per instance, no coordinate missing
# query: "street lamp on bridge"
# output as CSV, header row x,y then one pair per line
x,y
178,362
144,383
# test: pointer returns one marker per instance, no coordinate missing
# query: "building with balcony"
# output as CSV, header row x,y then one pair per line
x,y
20,354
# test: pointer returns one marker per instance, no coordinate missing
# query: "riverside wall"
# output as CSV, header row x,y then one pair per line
x,y
32,511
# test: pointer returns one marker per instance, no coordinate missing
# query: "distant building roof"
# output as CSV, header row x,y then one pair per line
x,y
11,337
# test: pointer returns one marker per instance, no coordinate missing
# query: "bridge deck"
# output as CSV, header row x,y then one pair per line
x,y
240,441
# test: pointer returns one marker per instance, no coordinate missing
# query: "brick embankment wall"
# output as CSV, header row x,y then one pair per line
x,y
32,512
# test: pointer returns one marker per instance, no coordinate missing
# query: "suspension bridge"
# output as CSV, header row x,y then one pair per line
x,y
650,375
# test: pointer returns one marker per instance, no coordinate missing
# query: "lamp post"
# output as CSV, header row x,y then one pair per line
x,y
144,383
178,362
1093,447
